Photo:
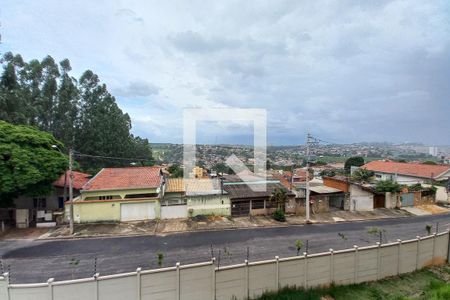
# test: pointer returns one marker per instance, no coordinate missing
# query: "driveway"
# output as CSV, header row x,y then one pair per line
x,y
36,261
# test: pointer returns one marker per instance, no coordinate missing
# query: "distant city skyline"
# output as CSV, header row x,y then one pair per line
x,y
344,71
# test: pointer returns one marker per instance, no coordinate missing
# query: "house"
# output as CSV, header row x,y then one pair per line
x,y
195,197
251,198
321,197
359,196
45,210
408,173
120,194
173,204
207,197
55,200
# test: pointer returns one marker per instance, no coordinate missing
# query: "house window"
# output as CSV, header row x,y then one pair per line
x,y
257,204
39,202
378,175
105,197
136,196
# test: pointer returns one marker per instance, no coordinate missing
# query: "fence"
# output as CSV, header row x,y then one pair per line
x,y
248,280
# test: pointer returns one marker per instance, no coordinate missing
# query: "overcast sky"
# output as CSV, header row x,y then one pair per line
x,y
347,72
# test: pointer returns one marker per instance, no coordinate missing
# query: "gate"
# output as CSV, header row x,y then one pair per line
x,y
240,208
407,199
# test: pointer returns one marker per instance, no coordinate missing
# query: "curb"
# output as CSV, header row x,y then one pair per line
x,y
161,234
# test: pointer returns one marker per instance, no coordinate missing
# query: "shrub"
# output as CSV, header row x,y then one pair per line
x,y
279,216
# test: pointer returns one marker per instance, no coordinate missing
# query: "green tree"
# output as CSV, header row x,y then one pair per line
x,y
279,198
384,186
65,110
361,175
298,246
175,171
28,163
356,161
12,101
82,114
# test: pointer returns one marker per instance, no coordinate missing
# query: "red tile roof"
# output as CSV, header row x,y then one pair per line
x,y
125,178
411,169
79,179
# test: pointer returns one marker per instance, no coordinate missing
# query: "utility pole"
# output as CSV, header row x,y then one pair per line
x,y
308,142
71,190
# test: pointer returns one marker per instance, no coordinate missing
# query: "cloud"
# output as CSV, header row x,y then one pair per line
x,y
136,89
348,72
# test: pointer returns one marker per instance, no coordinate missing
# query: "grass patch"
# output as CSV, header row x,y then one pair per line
x,y
423,285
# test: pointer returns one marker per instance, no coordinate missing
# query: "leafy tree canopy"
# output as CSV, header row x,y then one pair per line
x,y
356,161
81,113
384,186
175,171
361,175
28,162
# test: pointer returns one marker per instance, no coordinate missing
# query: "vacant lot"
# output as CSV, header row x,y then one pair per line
x,y
429,284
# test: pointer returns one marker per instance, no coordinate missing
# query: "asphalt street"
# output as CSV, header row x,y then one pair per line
x,y
36,261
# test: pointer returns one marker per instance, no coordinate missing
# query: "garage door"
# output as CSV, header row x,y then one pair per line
x,y
137,211
240,209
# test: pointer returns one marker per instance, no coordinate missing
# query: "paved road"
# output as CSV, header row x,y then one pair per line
x,y
36,261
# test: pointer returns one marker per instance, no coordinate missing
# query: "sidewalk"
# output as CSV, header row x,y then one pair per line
x,y
208,223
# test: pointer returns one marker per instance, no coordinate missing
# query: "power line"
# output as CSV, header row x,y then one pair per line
x,y
111,157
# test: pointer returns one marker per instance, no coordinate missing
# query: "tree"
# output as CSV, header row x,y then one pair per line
x,y
384,186
28,163
175,171
160,258
362,175
82,114
298,246
356,161
279,198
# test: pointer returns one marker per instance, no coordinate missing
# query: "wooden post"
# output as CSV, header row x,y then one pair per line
x,y
277,259
399,257
138,283
50,288
356,263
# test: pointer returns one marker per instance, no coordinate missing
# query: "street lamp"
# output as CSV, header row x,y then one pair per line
x,y
70,186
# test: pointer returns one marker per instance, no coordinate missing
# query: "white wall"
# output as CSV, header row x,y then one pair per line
x,y
174,211
360,200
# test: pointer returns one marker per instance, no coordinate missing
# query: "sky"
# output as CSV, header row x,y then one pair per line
x,y
346,71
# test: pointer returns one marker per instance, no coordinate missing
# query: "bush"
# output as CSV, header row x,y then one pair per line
x,y
279,215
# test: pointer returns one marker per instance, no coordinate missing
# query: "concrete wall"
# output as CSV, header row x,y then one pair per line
x,y
360,200
206,281
174,211
218,205
392,200
102,210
